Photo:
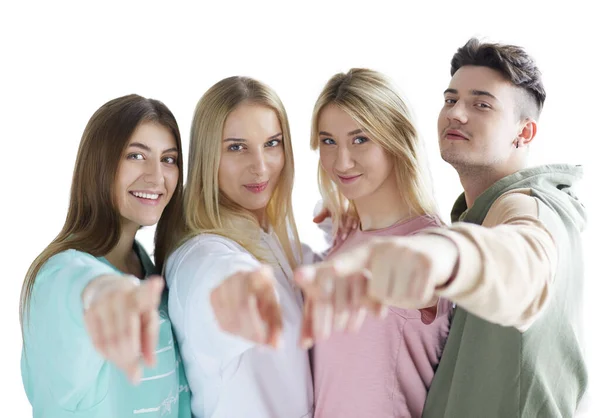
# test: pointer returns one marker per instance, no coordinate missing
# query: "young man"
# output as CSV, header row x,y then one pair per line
x,y
511,261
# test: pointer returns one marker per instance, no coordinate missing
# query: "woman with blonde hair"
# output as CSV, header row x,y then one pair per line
x,y
231,290
372,165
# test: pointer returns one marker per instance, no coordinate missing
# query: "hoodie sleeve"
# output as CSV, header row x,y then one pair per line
x,y
57,346
506,265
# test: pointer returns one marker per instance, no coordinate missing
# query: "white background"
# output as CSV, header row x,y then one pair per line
x,y
59,62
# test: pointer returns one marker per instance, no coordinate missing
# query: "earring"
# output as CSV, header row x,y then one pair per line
x,y
517,146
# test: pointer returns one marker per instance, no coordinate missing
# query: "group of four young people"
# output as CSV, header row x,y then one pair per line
x,y
104,337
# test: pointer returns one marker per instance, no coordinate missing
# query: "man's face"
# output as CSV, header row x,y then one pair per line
x,y
479,123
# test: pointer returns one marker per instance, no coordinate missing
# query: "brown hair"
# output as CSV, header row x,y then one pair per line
x,y
513,62
93,223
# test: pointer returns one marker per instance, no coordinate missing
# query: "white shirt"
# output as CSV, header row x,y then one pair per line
x,y
230,376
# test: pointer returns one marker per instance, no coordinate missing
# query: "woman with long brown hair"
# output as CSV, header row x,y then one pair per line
x,y
91,316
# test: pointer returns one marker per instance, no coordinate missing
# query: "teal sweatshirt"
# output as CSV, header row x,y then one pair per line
x,y
488,370
64,376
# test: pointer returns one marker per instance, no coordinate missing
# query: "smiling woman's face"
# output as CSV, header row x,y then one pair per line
x,y
252,157
147,174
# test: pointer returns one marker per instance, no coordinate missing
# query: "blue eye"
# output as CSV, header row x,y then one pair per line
x,y
235,147
273,143
328,141
360,140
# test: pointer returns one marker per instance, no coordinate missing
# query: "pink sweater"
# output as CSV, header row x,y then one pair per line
x,y
386,368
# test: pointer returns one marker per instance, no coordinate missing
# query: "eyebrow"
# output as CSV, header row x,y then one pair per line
x,y
473,92
147,148
483,93
243,140
354,132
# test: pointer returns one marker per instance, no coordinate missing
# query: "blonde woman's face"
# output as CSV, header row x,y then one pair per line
x,y
252,157
358,165
147,175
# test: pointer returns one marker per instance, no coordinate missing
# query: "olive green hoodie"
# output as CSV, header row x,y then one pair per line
x,y
489,370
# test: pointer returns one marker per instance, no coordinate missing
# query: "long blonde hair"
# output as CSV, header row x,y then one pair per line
x,y
93,222
372,101
206,208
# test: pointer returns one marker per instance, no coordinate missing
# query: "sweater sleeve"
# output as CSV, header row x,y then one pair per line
x,y
56,343
506,265
192,275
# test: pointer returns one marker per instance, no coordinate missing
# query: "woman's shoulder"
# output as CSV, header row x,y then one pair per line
x,y
208,255
428,221
68,272
211,242
417,224
205,246
69,258
414,225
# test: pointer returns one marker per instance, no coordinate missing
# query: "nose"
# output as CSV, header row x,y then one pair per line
x,y
154,173
457,113
258,165
343,160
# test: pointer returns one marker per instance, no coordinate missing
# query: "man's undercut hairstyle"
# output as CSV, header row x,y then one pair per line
x,y
514,63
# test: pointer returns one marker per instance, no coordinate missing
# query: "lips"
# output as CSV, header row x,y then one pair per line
x,y
455,135
147,198
257,187
348,179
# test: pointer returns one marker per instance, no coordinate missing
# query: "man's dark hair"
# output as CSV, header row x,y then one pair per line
x,y
513,62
